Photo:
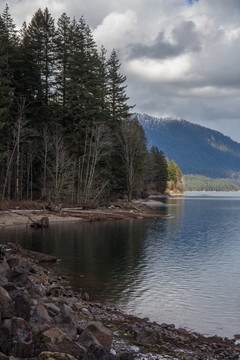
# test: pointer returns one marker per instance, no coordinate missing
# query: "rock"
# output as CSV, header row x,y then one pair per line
x,y
18,262
33,302
6,304
39,289
47,355
21,337
13,261
70,330
14,273
101,333
85,296
9,287
24,253
21,305
52,335
3,280
64,346
40,313
23,281
52,309
85,311
67,315
87,339
97,352
3,266
147,336
5,339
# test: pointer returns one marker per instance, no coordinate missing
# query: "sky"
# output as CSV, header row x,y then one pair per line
x,y
181,57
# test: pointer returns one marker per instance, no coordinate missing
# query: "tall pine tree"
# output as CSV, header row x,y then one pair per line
x,y
39,40
117,98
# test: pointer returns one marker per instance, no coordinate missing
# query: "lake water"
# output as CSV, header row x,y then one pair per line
x,y
183,270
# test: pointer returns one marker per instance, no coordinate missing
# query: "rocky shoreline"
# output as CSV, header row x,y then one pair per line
x,y
43,318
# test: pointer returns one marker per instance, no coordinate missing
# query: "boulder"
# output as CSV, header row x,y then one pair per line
x,y
6,304
63,345
19,262
101,333
87,339
67,315
21,337
52,335
14,273
9,287
21,305
39,289
40,313
70,330
3,266
23,281
52,309
5,339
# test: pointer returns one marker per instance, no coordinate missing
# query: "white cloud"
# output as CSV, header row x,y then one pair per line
x,y
115,28
169,70
179,59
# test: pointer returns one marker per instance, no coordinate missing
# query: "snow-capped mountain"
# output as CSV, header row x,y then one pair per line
x,y
196,149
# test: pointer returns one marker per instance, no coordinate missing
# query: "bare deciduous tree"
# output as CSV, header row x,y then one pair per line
x,y
60,168
20,133
133,152
97,146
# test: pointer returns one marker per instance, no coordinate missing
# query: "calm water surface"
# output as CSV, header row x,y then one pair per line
x,y
183,270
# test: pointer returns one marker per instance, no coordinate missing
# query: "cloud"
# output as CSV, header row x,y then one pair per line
x,y
175,70
115,28
184,39
181,57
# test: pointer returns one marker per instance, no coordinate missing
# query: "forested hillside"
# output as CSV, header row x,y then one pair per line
x,y
65,128
196,149
203,183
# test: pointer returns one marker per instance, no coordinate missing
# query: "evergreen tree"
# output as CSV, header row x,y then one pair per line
x,y
117,98
8,61
84,87
48,76
63,53
158,170
39,40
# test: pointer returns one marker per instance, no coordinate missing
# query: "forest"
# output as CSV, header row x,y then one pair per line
x,y
203,183
67,132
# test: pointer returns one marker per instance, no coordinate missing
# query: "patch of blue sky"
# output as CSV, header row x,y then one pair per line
x,y
191,2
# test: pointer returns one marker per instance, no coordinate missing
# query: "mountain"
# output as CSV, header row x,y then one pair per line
x,y
196,149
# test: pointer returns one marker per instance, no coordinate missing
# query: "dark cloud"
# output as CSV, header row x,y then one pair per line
x,y
185,39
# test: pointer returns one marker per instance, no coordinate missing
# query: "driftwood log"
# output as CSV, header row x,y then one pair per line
x,y
42,223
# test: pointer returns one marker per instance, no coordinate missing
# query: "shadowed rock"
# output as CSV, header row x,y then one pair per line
x,y
6,304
